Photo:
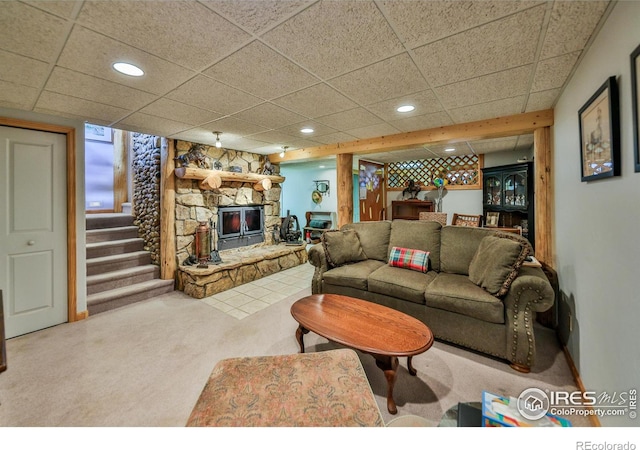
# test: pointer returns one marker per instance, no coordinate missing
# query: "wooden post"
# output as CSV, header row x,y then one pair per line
x,y
344,165
213,181
543,188
263,185
168,263
120,163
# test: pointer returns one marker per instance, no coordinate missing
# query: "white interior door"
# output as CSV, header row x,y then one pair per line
x,y
33,229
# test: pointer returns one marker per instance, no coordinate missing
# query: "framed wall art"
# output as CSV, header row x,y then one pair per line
x,y
635,93
599,120
97,133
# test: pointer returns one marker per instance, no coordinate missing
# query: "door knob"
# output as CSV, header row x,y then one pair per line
x,y
31,242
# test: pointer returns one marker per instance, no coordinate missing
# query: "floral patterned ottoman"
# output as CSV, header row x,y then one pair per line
x,y
325,389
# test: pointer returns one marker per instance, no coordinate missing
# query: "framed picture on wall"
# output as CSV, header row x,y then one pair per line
x,y
97,133
635,93
599,120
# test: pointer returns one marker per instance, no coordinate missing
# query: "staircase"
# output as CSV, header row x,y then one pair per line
x,y
119,270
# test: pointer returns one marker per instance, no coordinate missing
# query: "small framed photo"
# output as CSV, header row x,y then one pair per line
x,y
635,99
492,219
599,121
97,133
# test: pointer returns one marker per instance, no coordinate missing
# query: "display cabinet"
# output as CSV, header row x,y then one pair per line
x,y
410,209
508,191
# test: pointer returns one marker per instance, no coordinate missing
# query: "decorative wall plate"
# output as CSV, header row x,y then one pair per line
x,y
316,197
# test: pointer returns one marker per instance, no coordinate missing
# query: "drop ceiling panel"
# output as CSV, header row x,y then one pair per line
x,y
570,26
274,137
170,109
259,70
374,131
422,122
94,54
331,38
31,32
494,145
386,79
156,29
335,138
151,124
542,100
318,129
269,115
425,102
497,108
209,94
315,101
449,17
22,70
234,126
506,43
256,16
59,104
75,84
60,8
17,96
551,73
353,118
509,83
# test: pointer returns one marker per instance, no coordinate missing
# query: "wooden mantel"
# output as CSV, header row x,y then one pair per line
x,y
212,179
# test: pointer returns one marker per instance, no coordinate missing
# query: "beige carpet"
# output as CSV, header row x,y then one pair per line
x,y
146,364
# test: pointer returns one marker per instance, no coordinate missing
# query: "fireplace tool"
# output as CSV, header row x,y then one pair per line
x,y
290,230
205,255
214,257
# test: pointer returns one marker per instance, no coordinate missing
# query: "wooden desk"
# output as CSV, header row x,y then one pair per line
x,y
410,209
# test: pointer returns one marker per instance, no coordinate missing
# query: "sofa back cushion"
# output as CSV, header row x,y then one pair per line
x,y
418,235
374,238
458,247
342,247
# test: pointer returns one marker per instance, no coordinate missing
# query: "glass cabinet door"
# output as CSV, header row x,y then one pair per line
x,y
515,189
492,190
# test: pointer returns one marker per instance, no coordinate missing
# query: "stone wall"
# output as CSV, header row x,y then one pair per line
x,y
146,191
194,205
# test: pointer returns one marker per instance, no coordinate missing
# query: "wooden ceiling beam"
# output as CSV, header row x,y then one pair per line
x,y
481,129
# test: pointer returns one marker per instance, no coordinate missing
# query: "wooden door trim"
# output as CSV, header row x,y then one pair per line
x,y
72,262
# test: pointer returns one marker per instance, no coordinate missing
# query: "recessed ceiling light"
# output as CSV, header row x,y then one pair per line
x,y
406,108
128,69
449,149
306,130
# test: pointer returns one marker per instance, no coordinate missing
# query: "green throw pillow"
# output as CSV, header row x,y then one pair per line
x,y
496,263
342,247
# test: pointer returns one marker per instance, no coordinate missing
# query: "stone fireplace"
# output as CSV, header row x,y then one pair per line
x,y
252,214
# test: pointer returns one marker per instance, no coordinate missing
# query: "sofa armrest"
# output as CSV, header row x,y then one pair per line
x,y
318,259
530,292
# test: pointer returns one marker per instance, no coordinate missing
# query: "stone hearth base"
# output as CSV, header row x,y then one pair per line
x,y
239,266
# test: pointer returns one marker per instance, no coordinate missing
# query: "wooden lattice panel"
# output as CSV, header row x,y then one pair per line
x,y
462,171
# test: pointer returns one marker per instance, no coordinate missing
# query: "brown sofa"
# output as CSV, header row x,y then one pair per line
x,y
457,309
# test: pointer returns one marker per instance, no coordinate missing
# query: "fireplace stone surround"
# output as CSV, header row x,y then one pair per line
x,y
239,265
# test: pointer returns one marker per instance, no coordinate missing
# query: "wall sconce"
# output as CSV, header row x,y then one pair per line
x,y
218,143
284,150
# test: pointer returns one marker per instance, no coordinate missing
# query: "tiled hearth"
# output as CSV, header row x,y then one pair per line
x,y
249,298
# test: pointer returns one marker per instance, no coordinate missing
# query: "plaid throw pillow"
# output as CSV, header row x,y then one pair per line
x,y
411,259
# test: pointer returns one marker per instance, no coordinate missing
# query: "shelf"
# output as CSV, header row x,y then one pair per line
x,y
212,179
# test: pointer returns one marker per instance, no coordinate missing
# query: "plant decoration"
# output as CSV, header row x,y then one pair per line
x,y
440,182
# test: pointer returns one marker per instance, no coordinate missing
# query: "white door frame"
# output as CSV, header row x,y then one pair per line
x,y
70,132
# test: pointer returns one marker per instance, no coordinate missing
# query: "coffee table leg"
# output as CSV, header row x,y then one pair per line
x,y
410,368
389,365
300,332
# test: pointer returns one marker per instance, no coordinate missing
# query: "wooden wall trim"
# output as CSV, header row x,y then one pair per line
x,y
72,262
344,180
482,129
576,377
168,264
120,169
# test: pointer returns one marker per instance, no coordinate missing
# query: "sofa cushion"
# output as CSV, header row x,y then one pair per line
x,y
342,247
401,283
352,275
408,258
419,235
374,238
496,263
459,246
456,293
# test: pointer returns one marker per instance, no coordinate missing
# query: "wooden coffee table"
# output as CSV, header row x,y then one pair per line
x,y
382,332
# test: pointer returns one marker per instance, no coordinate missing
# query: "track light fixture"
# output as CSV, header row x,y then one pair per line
x,y
218,143
284,150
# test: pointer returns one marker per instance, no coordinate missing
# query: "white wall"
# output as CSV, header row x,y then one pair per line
x,y
596,224
81,287
298,186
